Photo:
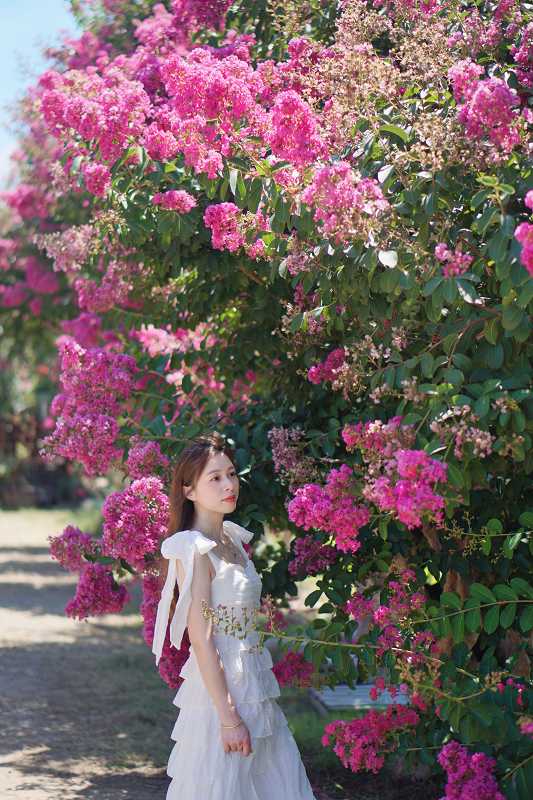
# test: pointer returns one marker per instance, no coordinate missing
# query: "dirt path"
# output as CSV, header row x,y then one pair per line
x,y
84,715
84,712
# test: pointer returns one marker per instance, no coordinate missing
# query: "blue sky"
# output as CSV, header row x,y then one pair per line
x,y
25,27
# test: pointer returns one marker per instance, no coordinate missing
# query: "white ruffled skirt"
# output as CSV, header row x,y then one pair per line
x,y
198,765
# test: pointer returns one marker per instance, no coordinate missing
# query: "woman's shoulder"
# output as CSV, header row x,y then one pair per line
x,y
243,533
182,544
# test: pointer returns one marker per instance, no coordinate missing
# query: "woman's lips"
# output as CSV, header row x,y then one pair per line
x,y
230,499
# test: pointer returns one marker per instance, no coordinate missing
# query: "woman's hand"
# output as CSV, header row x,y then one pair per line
x,y
236,739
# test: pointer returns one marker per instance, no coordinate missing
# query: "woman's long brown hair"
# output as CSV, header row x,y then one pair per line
x,y
185,472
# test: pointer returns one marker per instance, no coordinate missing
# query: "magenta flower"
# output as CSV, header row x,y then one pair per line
x,y
97,178
175,200
311,556
70,546
468,776
294,132
223,220
135,521
524,234
363,743
145,458
97,593
293,670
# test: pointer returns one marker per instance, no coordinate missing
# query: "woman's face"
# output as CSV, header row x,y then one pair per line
x,y
217,488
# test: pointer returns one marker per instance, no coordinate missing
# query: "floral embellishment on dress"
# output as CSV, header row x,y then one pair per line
x,y
237,621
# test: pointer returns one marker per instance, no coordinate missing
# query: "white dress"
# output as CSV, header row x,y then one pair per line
x,y
198,765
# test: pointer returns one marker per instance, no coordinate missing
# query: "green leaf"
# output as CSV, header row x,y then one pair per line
x,y
473,615
455,476
494,526
449,287
494,356
520,784
522,587
491,619
313,598
491,331
504,592
497,246
432,285
482,593
511,317
482,406
454,376
511,543
427,365
526,619
451,600
458,628
396,130
526,519
507,615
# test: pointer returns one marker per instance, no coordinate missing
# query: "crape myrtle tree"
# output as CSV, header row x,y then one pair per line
x,y
309,226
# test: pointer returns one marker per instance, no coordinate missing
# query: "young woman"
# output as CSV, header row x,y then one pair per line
x,y
232,741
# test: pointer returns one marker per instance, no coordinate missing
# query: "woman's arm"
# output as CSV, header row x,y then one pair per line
x,y
200,629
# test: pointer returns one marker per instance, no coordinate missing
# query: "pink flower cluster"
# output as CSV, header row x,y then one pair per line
x,y
294,134
69,547
8,250
455,261
201,13
291,463
109,110
458,424
175,200
340,200
86,329
69,249
398,479
27,201
38,279
172,660
223,220
401,603
331,508
469,777
524,234
293,670
523,56
95,385
135,521
311,556
97,593
93,379
362,744
88,438
487,110
407,489
145,458
97,178
328,369
111,291
378,439
164,341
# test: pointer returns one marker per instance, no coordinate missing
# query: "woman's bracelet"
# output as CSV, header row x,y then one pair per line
x,y
236,725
